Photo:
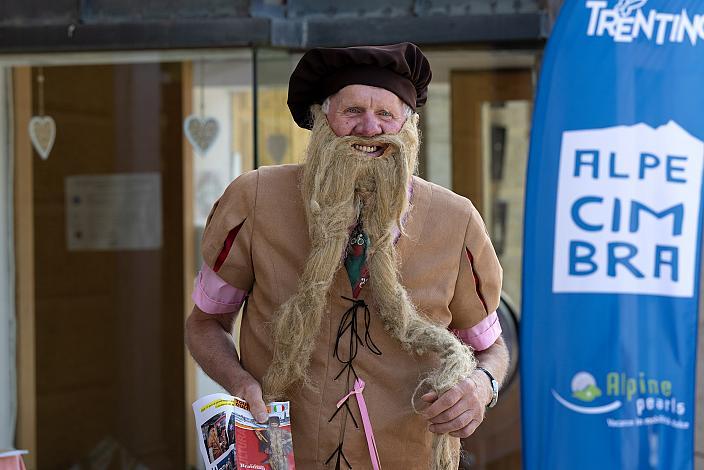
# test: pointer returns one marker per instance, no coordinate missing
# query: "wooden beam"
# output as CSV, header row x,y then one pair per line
x,y
525,29
134,35
24,262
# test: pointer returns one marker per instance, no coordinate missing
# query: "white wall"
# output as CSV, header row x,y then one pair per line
x,y
214,171
437,138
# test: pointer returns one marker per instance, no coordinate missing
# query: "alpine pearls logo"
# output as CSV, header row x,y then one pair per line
x,y
628,21
585,389
642,400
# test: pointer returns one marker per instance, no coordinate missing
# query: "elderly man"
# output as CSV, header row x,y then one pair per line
x,y
369,294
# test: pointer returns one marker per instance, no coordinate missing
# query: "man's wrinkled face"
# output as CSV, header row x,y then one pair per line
x,y
366,111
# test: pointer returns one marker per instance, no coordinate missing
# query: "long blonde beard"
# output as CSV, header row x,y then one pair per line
x,y
339,185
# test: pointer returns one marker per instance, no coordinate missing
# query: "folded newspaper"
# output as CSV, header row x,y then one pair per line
x,y
231,439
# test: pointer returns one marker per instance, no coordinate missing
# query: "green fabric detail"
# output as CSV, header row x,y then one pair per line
x,y
356,256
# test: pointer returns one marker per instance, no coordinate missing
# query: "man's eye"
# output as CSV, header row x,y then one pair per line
x,y
353,110
385,114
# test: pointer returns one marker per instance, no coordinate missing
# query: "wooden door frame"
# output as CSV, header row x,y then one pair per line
x,y
475,88
188,261
26,433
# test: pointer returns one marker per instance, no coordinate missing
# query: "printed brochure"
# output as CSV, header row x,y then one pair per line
x,y
230,438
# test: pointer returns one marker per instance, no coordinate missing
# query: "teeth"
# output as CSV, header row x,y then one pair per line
x,y
366,148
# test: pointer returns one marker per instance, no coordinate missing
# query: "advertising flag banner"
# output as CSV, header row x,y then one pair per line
x,y
612,238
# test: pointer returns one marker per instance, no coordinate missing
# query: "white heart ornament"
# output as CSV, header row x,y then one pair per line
x,y
42,132
201,132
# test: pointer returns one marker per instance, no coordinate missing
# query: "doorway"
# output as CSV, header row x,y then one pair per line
x,y
104,271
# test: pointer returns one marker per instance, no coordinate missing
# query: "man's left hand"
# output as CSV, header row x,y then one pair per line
x,y
460,410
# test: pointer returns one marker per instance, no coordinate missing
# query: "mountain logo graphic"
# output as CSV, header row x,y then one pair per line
x,y
626,7
585,389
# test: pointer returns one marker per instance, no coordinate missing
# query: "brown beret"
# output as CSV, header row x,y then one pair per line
x,y
400,68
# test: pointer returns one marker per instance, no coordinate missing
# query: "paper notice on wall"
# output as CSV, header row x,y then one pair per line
x,y
113,212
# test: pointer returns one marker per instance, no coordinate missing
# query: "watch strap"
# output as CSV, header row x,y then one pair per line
x,y
494,387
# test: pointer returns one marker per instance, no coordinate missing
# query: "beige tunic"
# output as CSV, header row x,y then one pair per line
x,y
448,267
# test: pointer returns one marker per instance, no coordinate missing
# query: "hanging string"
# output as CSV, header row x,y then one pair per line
x,y
40,90
202,87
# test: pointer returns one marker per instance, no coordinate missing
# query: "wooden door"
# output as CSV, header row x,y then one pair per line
x,y
109,363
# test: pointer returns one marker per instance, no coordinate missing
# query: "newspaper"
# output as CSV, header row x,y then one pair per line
x,y
230,438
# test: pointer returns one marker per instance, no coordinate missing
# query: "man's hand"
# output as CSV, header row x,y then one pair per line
x,y
246,387
460,410
210,341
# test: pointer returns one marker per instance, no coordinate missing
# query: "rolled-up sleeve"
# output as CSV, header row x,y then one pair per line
x,y
213,295
227,274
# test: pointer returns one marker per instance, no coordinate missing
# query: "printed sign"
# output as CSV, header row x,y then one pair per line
x,y
623,196
113,212
612,239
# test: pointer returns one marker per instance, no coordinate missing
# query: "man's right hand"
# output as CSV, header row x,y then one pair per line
x,y
247,388
209,338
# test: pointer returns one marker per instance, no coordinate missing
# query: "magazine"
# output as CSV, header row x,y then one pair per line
x,y
230,438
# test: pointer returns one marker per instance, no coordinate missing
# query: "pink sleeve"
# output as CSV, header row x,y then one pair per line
x,y
482,335
213,295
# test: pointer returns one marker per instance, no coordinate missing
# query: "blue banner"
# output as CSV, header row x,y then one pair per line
x,y
612,238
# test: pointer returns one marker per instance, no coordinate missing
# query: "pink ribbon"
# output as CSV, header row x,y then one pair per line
x,y
366,422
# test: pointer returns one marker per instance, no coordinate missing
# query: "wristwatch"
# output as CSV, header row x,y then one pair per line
x,y
494,388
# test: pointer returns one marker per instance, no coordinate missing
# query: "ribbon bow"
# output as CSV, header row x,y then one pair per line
x,y
366,422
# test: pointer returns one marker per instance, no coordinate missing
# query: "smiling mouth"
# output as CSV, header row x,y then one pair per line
x,y
370,150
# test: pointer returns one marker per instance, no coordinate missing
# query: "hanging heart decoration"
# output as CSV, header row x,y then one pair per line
x,y
42,132
201,132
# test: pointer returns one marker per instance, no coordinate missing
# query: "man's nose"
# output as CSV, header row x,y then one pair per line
x,y
367,126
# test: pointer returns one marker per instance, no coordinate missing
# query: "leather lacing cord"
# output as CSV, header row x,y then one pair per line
x,y
349,322
349,326
340,457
